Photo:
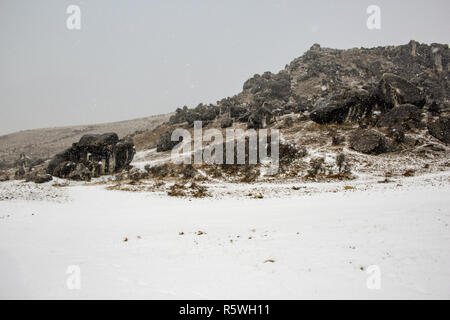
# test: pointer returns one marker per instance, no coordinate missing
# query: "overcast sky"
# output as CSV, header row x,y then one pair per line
x,y
136,58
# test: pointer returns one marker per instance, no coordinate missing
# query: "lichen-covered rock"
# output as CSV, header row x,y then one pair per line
x,y
440,129
368,141
395,90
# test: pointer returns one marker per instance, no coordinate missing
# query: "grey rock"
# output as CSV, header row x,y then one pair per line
x,y
226,123
80,173
165,142
404,116
440,129
38,177
395,90
368,141
93,150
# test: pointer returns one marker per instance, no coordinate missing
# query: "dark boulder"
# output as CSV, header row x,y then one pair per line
x,y
395,90
80,173
64,169
124,150
260,118
294,107
4,176
348,105
200,113
269,86
226,123
402,117
440,129
19,174
38,177
368,141
95,141
237,111
165,142
327,112
99,153
70,154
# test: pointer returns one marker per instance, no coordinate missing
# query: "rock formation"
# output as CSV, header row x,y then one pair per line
x,y
92,156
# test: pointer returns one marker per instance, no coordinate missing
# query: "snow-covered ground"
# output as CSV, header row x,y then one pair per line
x,y
305,245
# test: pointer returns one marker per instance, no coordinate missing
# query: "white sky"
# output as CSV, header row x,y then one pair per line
x,y
138,58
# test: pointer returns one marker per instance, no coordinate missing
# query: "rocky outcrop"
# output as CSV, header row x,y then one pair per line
x,y
19,174
269,86
327,112
165,142
368,141
200,113
38,177
395,90
260,118
4,176
350,105
97,153
80,173
226,123
440,129
403,117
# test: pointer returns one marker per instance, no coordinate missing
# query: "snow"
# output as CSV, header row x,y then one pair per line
x,y
322,243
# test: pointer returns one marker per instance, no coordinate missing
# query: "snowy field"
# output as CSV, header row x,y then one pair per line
x,y
147,245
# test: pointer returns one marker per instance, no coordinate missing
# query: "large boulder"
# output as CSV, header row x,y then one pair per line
x,y
96,141
269,86
200,113
4,176
19,174
124,153
80,173
348,105
226,123
395,90
38,177
440,129
404,117
64,169
327,112
260,118
99,153
165,142
368,141
237,111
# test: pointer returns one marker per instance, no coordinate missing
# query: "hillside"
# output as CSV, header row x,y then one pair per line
x,y
44,143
